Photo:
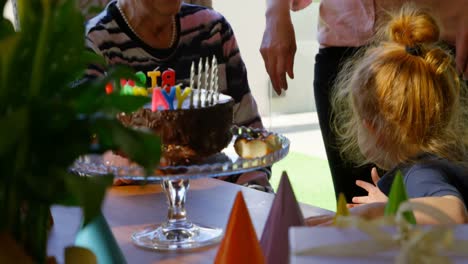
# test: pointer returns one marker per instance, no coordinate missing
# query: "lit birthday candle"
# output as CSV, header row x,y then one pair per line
x,y
192,80
200,65
207,79
182,95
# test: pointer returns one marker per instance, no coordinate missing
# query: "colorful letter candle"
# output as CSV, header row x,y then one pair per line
x,y
130,82
140,79
168,78
170,96
140,91
127,89
181,96
109,88
154,77
158,101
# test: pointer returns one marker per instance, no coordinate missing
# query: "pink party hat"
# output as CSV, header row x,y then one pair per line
x,y
240,243
284,213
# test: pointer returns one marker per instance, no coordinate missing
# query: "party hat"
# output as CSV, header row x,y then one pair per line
x,y
284,213
240,243
397,196
79,255
97,236
341,208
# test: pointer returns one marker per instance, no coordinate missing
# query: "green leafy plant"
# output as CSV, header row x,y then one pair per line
x,y
46,122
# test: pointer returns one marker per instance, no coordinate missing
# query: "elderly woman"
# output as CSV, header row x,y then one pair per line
x,y
147,34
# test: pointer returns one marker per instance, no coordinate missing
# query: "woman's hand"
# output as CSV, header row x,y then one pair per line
x,y
374,195
278,47
454,30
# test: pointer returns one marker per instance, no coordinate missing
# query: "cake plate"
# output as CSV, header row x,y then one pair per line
x,y
178,233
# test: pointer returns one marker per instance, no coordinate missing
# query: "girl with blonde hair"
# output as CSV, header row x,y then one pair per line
x,y
401,105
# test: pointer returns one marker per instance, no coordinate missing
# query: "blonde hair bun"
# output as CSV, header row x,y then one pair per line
x,y
412,27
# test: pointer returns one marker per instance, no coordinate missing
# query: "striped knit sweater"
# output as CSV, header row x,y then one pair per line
x,y
202,33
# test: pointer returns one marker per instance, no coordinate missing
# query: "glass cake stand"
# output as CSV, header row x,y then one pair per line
x,y
178,233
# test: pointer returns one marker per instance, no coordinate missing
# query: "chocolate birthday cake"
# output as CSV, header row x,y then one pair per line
x,y
193,123
188,134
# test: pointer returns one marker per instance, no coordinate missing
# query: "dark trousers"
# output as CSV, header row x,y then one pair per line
x,y
344,174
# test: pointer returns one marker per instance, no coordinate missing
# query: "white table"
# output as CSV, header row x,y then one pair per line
x,y
128,208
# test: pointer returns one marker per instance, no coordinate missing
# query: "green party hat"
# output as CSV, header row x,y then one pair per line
x,y
397,196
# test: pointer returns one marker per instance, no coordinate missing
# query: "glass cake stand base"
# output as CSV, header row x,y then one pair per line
x,y
177,233
168,237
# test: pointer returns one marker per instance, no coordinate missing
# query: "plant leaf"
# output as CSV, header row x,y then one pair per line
x,y
8,47
6,28
89,96
124,103
13,129
45,124
87,193
142,147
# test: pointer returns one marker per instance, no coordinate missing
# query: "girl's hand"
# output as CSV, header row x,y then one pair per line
x,y
374,194
278,48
